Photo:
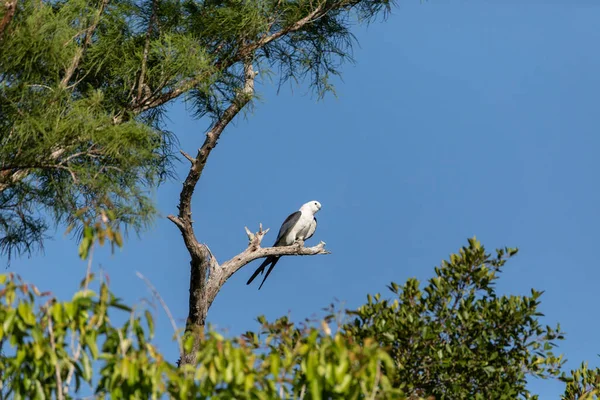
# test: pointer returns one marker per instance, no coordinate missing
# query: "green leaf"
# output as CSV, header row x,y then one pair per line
x,y
87,367
150,322
118,239
90,342
26,314
275,361
39,391
8,320
84,247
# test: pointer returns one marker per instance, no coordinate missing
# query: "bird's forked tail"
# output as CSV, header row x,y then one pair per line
x,y
270,260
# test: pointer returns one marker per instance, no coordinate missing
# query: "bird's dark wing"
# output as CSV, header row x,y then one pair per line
x,y
262,267
312,229
287,225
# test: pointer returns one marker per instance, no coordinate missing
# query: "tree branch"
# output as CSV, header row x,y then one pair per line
x,y
12,174
183,219
206,275
76,350
9,10
253,252
146,51
202,260
187,156
9,178
87,40
222,65
157,295
59,388
204,289
315,14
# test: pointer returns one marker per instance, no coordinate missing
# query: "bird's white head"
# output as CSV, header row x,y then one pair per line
x,y
312,207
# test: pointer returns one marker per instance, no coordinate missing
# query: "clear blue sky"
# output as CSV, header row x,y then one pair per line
x,y
460,118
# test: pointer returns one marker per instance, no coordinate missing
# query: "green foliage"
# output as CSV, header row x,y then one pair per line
x,y
582,384
456,338
60,148
56,346
103,230
84,85
37,336
51,344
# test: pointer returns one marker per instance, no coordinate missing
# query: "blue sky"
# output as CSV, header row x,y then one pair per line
x,y
460,118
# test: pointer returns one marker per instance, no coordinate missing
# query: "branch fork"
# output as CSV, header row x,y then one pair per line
x,y
254,251
255,239
207,277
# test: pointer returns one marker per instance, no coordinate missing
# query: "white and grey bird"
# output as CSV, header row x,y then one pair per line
x,y
300,225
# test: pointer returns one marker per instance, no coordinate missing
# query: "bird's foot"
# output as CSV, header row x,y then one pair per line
x,y
299,243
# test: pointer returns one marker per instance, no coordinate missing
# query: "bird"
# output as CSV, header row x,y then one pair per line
x,y
300,225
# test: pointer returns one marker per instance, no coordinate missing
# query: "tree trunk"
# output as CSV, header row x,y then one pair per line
x,y
196,320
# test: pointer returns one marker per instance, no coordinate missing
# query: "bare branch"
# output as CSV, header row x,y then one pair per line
x,y
212,136
204,289
233,265
256,239
187,156
254,252
212,260
202,260
176,221
10,176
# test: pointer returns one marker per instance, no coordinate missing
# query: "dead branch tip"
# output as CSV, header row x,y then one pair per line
x,y
187,156
175,220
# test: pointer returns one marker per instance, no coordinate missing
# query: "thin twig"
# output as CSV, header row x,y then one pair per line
x,y
59,387
187,156
11,174
302,391
376,383
157,295
41,86
88,272
77,352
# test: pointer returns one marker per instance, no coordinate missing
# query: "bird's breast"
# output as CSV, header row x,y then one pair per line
x,y
301,229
